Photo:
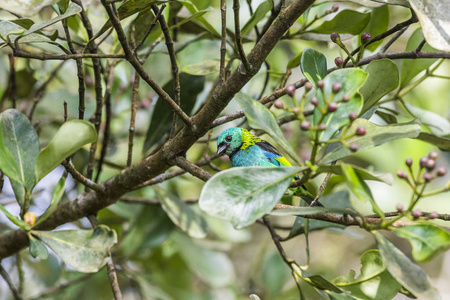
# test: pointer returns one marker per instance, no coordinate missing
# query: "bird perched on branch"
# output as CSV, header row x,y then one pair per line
x,y
246,150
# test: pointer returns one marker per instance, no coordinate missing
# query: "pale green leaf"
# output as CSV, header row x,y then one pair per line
x,y
56,197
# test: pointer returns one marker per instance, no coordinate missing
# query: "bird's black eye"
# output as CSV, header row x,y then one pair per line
x,y
228,138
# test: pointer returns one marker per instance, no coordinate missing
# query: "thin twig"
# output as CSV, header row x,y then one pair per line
x,y
81,179
61,286
393,39
8,280
140,200
192,168
223,39
322,186
237,33
12,81
132,129
157,15
45,56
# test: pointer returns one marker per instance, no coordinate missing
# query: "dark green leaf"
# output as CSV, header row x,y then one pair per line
x,y
161,122
427,240
363,173
295,61
72,135
84,250
193,10
440,142
257,16
374,282
313,65
56,197
410,275
182,214
244,194
378,24
351,80
376,135
259,117
412,67
346,21
37,248
383,78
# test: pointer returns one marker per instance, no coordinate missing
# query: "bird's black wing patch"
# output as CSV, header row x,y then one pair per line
x,y
268,147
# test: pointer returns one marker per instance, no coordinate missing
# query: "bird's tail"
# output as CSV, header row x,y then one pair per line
x,y
303,193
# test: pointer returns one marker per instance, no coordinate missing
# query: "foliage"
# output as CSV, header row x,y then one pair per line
x,y
110,111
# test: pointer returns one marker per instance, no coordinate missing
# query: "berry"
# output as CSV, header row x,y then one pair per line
x,y
401,174
423,161
322,127
354,147
434,215
335,8
416,213
427,177
320,84
296,110
352,116
399,207
290,90
365,37
305,125
409,162
336,38
441,171
336,87
279,104
430,164
308,86
432,155
315,101
29,218
346,98
339,61
332,107
361,130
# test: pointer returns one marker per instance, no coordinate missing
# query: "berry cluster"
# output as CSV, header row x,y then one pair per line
x,y
365,40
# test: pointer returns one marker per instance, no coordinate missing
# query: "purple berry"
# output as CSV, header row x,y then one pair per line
x,y
430,164
423,161
296,110
332,107
308,86
339,61
279,104
352,116
322,127
441,171
336,88
361,130
434,215
320,84
409,162
354,147
315,101
399,207
305,125
365,37
336,38
346,98
290,90
335,8
432,155
416,213
427,177
401,174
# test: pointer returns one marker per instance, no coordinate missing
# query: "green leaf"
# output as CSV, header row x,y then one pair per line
x,y
206,67
86,251
22,224
213,267
427,240
161,122
310,210
376,135
20,139
72,135
182,214
313,65
295,61
257,16
363,173
193,17
440,142
37,248
351,80
346,21
378,23
244,194
439,125
374,282
410,275
193,10
383,78
259,117
56,197
359,188
412,67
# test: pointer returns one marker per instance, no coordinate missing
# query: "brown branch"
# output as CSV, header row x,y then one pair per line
x,y
45,56
131,130
223,38
80,178
237,33
140,200
157,15
8,280
193,169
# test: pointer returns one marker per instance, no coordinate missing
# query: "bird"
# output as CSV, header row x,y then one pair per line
x,y
246,149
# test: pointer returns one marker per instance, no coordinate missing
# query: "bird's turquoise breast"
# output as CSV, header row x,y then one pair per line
x,y
253,156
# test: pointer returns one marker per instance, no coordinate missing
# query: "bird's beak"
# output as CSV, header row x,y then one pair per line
x,y
221,148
